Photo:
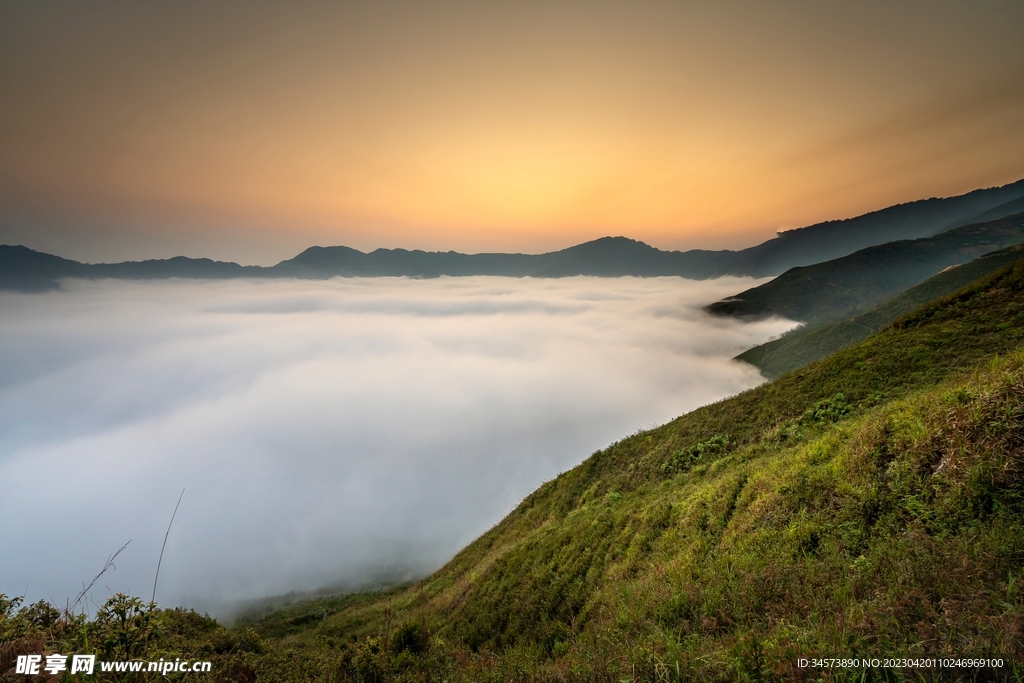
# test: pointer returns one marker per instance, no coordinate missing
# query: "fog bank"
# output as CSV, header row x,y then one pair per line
x,y
330,433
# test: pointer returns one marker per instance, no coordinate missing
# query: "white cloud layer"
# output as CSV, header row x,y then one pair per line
x,y
326,433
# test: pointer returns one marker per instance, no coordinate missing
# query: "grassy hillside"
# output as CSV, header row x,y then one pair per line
x,y
810,343
838,289
870,504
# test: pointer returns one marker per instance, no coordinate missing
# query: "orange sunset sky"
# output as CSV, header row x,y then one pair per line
x,y
248,131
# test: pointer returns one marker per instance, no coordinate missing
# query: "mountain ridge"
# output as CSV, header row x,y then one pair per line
x,y
807,344
836,289
28,270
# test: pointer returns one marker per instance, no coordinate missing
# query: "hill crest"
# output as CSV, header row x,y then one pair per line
x,y
603,257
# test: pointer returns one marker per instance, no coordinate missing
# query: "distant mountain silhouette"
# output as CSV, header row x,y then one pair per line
x,y
836,289
606,257
807,344
27,270
833,239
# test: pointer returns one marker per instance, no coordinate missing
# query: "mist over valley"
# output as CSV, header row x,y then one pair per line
x,y
331,434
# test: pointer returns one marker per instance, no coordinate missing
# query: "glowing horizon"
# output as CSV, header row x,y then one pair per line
x,y
249,132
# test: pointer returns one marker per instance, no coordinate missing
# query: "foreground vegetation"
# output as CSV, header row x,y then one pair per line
x,y
868,505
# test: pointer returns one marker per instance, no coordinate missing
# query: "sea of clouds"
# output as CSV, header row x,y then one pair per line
x,y
328,434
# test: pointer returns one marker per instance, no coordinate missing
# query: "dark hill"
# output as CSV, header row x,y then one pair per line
x,y
1010,208
807,344
179,266
605,257
839,288
833,239
344,261
33,271
26,270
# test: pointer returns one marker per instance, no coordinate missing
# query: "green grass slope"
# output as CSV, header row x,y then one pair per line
x,y
870,504
843,287
807,344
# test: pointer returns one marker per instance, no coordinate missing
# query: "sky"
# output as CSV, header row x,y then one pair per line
x,y
248,131
327,434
